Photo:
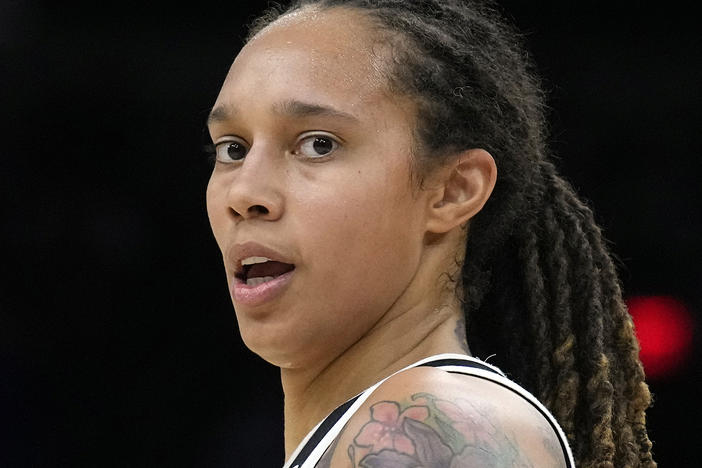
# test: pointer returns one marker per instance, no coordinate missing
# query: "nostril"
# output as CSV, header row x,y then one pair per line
x,y
260,209
252,212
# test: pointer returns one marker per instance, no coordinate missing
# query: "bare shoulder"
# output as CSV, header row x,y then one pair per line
x,y
427,417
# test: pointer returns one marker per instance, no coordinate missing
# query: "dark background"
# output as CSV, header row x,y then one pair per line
x,y
118,344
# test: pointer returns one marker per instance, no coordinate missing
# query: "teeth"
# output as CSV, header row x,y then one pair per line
x,y
254,260
258,280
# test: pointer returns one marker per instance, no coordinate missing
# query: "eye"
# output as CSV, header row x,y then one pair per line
x,y
228,151
316,146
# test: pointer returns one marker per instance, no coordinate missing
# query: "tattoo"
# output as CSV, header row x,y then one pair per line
x,y
431,432
460,332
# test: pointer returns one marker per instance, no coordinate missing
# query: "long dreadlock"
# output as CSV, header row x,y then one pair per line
x,y
534,254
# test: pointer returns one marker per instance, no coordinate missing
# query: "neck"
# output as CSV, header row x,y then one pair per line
x,y
397,341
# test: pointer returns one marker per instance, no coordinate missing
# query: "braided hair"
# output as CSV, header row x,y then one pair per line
x,y
534,254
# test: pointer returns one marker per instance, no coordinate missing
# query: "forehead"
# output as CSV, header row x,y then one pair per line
x,y
329,54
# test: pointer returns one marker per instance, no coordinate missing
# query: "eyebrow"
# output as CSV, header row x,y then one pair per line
x,y
289,108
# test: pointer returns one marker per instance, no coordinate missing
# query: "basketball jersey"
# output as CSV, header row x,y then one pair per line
x,y
313,446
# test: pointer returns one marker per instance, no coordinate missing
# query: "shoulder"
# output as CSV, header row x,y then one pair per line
x,y
429,417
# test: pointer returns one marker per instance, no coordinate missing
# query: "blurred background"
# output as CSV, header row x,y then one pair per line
x,y
118,344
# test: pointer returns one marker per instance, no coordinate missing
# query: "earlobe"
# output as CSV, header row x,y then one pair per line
x,y
463,187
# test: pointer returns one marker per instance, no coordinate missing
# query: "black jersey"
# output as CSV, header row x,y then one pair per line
x,y
314,445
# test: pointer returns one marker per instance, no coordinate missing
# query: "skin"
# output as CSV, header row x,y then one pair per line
x,y
482,425
369,294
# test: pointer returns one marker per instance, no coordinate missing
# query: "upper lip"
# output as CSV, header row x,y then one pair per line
x,y
239,252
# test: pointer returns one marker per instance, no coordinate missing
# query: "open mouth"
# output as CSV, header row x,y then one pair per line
x,y
258,270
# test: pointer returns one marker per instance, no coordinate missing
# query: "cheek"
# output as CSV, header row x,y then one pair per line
x,y
360,236
217,214
215,197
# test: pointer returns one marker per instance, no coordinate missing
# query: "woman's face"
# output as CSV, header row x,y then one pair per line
x,y
313,170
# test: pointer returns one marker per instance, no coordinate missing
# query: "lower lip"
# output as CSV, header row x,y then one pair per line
x,y
264,292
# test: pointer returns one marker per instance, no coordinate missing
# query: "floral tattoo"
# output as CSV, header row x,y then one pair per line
x,y
431,432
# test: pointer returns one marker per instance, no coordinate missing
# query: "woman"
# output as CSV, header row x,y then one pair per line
x,y
385,207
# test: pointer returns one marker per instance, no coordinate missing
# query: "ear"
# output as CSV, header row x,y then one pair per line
x,y
461,189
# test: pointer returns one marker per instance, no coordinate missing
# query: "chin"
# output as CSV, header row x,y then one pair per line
x,y
276,351
281,360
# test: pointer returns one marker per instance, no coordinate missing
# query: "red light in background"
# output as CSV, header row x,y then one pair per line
x,y
664,328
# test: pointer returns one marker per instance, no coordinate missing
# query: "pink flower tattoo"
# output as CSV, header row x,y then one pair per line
x,y
384,430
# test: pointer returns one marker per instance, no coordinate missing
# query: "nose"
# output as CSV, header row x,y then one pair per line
x,y
256,188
